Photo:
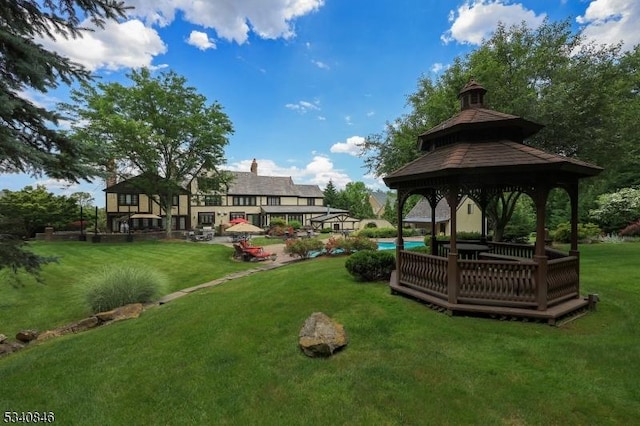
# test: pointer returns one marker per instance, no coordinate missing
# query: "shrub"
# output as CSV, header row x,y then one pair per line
x,y
371,225
326,231
349,245
385,232
303,247
276,221
295,224
588,231
123,284
368,265
465,235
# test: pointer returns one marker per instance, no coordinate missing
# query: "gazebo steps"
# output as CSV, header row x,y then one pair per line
x,y
553,314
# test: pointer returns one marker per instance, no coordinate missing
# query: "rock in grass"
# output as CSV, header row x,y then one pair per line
x,y
320,336
132,310
2,338
27,335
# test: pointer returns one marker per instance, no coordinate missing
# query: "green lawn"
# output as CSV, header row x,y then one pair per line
x,y
229,355
60,299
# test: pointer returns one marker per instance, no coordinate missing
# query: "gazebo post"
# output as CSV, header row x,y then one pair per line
x,y
541,194
434,238
402,197
452,258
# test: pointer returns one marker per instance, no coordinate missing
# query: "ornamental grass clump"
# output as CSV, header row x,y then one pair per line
x,y
121,285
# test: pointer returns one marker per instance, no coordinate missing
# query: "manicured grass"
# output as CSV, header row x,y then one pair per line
x,y
229,355
61,297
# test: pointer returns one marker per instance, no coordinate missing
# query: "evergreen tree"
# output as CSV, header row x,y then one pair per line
x,y
28,143
330,195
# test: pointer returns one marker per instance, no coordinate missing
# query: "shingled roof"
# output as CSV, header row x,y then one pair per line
x,y
482,142
248,183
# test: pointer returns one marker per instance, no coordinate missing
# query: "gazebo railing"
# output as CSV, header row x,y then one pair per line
x,y
562,279
524,251
493,282
424,272
497,282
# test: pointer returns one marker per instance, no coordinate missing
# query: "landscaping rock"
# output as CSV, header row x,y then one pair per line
x,y
27,335
320,336
49,334
124,312
2,338
8,347
84,324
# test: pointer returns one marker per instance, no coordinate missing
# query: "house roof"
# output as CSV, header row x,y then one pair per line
x,y
335,217
137,184
421,212
248,183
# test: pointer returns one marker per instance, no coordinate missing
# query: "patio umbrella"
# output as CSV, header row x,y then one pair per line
x,y
245,228
238,220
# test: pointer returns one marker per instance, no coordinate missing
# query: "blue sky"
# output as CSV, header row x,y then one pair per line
x,y
304,81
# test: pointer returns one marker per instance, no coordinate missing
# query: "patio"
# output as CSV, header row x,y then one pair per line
x,y
480,153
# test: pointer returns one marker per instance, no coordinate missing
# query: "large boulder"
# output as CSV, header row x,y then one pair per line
x,y
320,336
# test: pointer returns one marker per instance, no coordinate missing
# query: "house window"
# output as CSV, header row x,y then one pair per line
x,y
236,215
273,201
244,201
206,218
175,200
212,200
311,201
469,208
128,199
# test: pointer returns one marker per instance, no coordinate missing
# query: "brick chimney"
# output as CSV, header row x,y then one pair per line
x,y
254,167
112,177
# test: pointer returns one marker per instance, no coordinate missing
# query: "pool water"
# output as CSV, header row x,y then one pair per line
x,y
390,245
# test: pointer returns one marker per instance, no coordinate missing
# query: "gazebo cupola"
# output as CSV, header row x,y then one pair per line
x,y
481,153
472,95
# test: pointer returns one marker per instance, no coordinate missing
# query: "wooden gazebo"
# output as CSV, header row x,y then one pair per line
x,y
480,153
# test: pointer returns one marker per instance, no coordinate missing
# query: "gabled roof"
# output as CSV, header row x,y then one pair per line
x,y
248,183
421,212
137,184
299,209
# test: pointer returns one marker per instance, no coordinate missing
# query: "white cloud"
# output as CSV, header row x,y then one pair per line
x,y
437,67
371,113
353,146
347,119
477,19
322,118
612,21
119,45
320,65
319,171
304,106
232,20
201,40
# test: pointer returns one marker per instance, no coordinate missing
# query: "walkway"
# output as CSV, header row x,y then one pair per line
x,y
281,259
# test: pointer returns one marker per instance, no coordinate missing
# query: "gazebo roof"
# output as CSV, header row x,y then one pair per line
x,y
479,141
498,157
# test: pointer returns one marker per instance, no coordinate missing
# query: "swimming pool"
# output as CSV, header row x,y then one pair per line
x,y
390,245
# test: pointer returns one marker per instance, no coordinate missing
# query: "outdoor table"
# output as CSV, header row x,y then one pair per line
x,y
468,251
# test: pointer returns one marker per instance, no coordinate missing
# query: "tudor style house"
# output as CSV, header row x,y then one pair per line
x,y
258,199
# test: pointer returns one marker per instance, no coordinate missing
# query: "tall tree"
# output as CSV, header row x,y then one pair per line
x,y
330,195
28,141
356,198
158,128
